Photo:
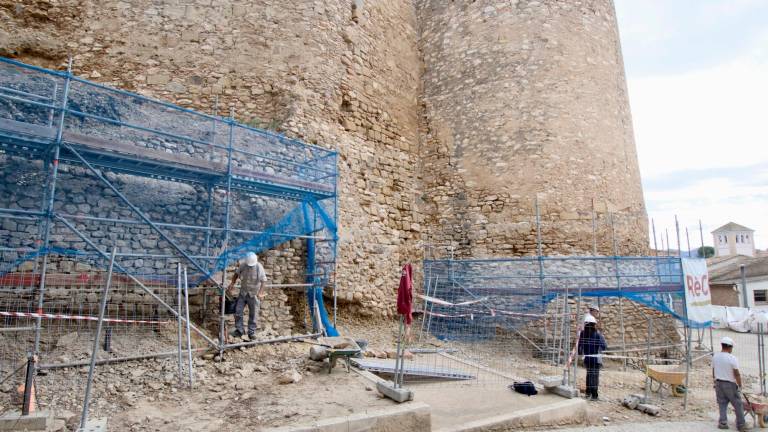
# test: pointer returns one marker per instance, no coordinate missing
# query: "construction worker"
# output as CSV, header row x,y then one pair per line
x,y
592,311
253,278
591,344
725,371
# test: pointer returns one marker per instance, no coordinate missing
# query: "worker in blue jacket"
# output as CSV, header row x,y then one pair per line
x,y
591,344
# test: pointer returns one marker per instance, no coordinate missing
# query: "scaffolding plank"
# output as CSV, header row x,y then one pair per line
x,y
45,132
387,366
175,164
142,153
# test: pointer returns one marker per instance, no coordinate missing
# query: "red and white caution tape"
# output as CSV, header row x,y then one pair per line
x,y
471,316
445,303
76,317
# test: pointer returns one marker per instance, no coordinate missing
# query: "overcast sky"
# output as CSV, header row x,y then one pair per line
x,y
697,72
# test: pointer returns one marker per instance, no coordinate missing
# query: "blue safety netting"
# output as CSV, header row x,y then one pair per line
x,y
469,299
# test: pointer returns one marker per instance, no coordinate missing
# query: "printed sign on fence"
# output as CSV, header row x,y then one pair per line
x,y
698,299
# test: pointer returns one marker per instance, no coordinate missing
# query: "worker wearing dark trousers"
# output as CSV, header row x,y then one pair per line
x,y
253,278
591,343
725,371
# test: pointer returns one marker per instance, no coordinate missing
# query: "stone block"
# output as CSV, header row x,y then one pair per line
x,y
158,79
37,421
400,395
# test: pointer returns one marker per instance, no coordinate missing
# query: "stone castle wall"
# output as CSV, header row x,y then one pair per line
x,y
449,117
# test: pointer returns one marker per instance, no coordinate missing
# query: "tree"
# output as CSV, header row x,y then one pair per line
x,y
705,252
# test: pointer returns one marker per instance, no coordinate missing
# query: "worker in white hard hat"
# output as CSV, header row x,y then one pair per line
x,y
725,371
592,311
591,345
253,278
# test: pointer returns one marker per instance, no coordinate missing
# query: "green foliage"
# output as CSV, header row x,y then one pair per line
x,y
705,252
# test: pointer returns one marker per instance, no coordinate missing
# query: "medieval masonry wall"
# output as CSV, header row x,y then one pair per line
x,y
450,117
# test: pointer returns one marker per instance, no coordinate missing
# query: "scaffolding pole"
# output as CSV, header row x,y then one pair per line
x,y
618,286
225,245
541,276
95,350
48,208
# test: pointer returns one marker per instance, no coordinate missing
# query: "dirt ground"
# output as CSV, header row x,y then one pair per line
x,y
245,390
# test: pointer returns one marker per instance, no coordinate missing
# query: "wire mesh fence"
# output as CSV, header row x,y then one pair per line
x,y
497,320
134,326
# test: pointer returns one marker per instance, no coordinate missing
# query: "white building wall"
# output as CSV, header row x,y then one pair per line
x,y
752,286
734,243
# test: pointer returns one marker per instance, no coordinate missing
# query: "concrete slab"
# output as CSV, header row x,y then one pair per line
x,y
568,411
37,421
412,416
463,406
94,425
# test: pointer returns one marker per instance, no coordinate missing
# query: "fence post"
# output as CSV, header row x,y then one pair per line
x,y
178,321
761,357
648,357
26,406
688,335
189,337
102,309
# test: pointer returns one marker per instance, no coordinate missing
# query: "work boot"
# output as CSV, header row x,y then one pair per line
x,y
236,333
722,426
251,336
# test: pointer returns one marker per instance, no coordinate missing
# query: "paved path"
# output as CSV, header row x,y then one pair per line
x,y
654,427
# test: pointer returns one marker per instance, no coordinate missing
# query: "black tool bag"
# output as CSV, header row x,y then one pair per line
x,y
229,306
525,387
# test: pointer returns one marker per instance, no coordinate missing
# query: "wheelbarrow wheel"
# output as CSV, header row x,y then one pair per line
x,y
762,419
678,390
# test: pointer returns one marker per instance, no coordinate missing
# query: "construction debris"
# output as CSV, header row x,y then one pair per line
x,y
638,402
289,377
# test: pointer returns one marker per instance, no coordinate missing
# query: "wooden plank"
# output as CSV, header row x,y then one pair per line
x,y
281,180
40,131
142,153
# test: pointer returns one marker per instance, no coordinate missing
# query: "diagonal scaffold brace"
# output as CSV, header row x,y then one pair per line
x,y
141,285
142,215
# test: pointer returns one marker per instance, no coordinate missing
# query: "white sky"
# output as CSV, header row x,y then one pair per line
x,y
697,73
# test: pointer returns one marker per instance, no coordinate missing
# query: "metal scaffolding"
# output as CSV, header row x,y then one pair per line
x,y
60,120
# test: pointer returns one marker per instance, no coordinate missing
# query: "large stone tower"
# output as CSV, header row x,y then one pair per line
x,y
527,99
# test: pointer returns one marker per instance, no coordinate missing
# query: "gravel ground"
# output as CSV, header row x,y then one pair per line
x,y
652,427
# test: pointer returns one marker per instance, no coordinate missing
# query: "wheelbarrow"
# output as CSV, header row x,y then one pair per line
x,y
757,408
339,347
663,376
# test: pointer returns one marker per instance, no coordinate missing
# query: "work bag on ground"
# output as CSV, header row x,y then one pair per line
x,y
525,387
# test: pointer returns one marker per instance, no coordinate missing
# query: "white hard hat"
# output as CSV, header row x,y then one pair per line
x,y
590,319
251,259
593,307
726,341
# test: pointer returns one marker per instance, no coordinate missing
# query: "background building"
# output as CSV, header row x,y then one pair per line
x,y
734,239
